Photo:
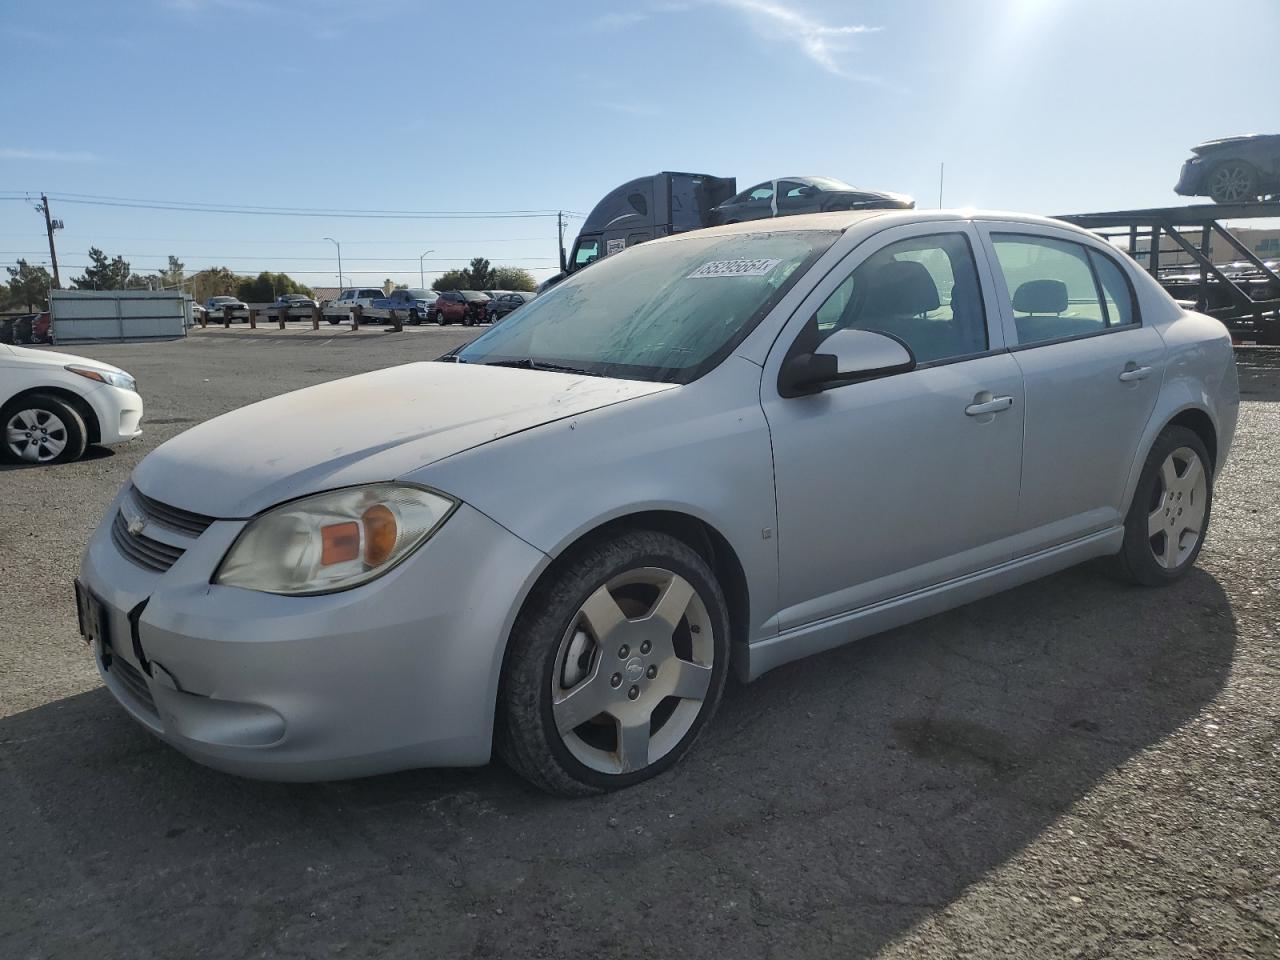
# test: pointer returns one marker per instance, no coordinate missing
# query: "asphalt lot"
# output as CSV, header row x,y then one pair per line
x,y
1076,768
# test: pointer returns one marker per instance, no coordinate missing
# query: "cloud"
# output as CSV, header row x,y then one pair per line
x,y
820,42
619,21
53,156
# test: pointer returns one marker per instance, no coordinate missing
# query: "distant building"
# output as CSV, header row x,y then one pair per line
x,y
1262,242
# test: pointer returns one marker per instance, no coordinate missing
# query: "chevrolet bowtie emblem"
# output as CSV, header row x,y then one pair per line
x,y
135,526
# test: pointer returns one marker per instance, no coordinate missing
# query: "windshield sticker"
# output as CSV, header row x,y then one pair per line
x,y
734,268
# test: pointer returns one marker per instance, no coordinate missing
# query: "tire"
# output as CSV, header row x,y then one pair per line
x,y
59,430
630,671
1233,181
334,320
1161,509
414,318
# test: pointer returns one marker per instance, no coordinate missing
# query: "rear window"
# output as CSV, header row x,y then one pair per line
x,y
371,293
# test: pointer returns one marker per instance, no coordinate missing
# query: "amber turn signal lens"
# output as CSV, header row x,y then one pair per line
x,y
339,542
379,534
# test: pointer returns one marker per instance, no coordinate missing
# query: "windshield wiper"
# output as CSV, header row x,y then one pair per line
x,y
528,363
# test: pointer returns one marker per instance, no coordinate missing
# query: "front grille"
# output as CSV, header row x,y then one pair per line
x,y
141,549
132,680
184,521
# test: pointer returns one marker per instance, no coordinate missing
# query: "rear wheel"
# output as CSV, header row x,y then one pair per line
x,y
1169,515
414,318
615,667
1233,181
41,428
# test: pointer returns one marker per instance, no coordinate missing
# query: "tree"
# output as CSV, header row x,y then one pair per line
x,y
104,274
453,280
174,274
28,285
266,286
512,278
213,282
479,276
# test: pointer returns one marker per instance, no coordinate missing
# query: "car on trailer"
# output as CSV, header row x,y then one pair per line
x,y
1233,169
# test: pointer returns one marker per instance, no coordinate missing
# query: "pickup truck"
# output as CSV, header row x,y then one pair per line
x,y
412,306
335,311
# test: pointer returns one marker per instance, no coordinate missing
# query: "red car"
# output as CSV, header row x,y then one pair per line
x,y
462,306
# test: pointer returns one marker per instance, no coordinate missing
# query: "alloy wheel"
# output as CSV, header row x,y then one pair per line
x,y
1176,520
36,436
1231,183
632,670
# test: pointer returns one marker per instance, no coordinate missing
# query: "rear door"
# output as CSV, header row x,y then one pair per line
x,y
1092,372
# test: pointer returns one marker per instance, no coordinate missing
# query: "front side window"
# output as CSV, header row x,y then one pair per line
x,y
1059,289
924,291
586,252
665,311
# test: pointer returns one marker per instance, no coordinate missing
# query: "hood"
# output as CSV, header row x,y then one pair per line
x,y
375,426
53,358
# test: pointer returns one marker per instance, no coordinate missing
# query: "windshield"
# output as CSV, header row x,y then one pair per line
x,y
829,183
659,311
418,294
223,300
473,295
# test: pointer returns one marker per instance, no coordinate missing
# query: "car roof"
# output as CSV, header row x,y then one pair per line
x,y
844,220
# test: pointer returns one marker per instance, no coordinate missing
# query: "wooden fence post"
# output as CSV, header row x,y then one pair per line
x,y
356,313
253,318
226,318
315,318
282,315
396,323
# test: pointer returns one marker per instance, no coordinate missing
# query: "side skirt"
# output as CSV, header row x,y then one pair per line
x,y
836,631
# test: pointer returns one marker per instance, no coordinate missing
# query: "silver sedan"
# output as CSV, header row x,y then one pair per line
x,y
717,451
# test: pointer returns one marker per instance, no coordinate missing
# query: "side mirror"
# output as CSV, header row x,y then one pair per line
x,y
847,356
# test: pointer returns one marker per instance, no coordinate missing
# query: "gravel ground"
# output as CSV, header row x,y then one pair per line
x,y
1076,768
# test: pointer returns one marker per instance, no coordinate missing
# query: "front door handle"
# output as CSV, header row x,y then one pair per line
x,y
1133,372
993,405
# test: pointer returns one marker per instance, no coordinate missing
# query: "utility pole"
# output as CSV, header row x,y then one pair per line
x,y
942,169
339,246
422,277
560,232
51,225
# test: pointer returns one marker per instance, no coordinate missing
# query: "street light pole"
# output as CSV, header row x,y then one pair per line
x,y
422,277
339,246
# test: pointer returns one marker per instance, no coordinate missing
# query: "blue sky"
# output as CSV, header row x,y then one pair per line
x,y
1048,106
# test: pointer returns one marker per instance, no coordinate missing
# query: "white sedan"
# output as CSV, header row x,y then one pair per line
x,y
53,405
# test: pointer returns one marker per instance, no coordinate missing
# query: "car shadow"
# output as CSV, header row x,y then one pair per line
x,y
839,800
91,453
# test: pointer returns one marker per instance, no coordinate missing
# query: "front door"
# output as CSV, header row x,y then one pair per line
x,y
894,484
1092,373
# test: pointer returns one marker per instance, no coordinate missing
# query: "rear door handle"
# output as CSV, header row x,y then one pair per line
x,y
994,405
1133,372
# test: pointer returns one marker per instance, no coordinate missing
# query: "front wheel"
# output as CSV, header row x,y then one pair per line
x,y
616,665
1167,520
41,428
414,319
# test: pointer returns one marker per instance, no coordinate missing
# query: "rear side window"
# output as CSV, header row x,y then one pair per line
x,y
1117,294
1060,290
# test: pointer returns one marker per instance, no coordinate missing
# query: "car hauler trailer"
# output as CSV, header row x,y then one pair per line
x,y
1176,245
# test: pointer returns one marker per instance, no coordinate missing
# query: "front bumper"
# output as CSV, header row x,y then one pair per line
x,y
119,413
1189,180
399,673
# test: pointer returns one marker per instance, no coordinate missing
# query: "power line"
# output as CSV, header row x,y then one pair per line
x,y
255,258
189,206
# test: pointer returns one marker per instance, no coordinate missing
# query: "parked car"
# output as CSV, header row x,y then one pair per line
x,y
713,451
412,306
27,328
1233,169
504,303
294,302
215,306
461,306
795,195
52,405
340,309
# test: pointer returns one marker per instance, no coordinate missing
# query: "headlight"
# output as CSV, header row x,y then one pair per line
x,y
333,541
117,378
